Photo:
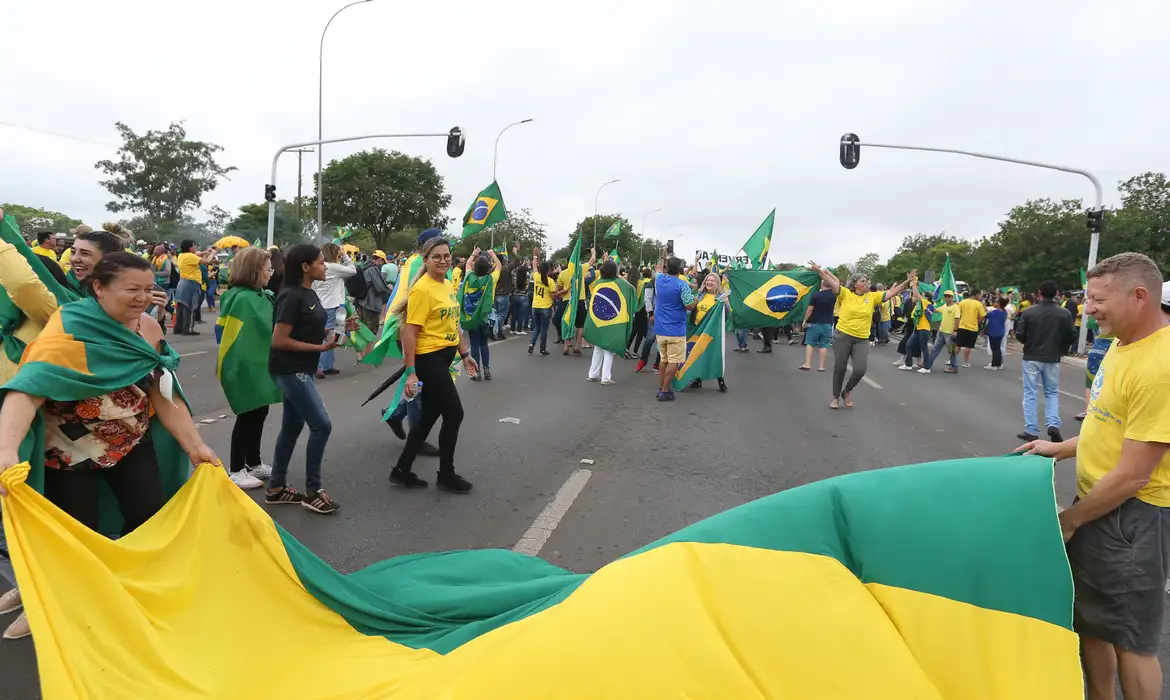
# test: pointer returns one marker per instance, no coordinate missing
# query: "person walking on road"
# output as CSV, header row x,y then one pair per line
x,y
331,292
480,280
544,286
857,304
995,329
971,314
818,326
1045,329
950,313
1118,529
673,298
430,338
370,305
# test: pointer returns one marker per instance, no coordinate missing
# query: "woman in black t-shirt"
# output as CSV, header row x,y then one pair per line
x,y
298,339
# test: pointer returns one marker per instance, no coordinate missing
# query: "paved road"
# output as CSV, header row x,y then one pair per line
x,y
656,467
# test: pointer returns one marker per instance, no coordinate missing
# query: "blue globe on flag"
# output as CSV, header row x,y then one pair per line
x,y
607,304
480,212
782,298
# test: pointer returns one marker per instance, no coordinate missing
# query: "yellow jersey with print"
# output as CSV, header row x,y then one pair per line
x,y
542,293
189,267
565,280
1129,400
950,314
1080,313
886,310
45,252
855,313
923,316
434,308
702,306
456,276
971,312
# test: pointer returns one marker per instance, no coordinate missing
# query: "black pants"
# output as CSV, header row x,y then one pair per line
x,y
134,480
996,344
246,437
183,319
769,336
439,398
639,331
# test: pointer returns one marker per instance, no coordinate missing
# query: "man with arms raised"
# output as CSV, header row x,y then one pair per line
x,y
1118,529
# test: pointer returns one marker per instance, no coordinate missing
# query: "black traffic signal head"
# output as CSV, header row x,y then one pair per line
x,y
1095,220
270,193
850,151
455,142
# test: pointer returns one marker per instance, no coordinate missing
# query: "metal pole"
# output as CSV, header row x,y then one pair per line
x,y
1099,197
300,159
643,248
595,199
495,157
321,108
276,158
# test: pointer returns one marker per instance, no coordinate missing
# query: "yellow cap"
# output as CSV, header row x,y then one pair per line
x,y
379,254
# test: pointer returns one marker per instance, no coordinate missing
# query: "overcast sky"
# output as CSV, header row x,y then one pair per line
x,y
715,112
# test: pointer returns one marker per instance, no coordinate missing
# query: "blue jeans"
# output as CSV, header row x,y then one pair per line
x,y
1046,375
919,345
558,316
540,328
479,347
211,285
883,335
650,343
500,313
326,361
741,338
519,311
411,410
941,341
302,404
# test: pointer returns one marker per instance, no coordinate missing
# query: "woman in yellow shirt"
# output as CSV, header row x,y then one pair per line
x,y
857,304
705,300
189,294
544,286
430,338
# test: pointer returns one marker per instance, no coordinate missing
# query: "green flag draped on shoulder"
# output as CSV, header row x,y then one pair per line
x,y
245,322
611,314
387,342
705,349
768,298
487,209
569,318
758,245
476,295
82,354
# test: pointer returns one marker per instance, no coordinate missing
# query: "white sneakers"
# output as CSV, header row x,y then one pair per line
x,y
607,382
923,370
260,471
905,368
250,477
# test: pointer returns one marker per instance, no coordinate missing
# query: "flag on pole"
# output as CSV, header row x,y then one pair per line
x,y
763,298
617,258
342,233
757,246
487,209
705,349
615,230
1084,279
256,243
569,318
715,266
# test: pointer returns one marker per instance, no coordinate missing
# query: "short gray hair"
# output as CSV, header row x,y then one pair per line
x,y
1132,270
855,278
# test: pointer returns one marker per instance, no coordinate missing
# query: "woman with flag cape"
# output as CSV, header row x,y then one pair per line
x,y
709,298
244,335
476,294
610,318
95,407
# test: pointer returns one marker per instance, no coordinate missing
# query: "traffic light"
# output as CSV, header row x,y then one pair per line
x,y
1095,220
270,193
455,142
850,151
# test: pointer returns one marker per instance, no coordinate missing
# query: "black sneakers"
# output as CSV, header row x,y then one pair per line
x,y
453,482
396,428
320,502
1054,434
283,496
408,479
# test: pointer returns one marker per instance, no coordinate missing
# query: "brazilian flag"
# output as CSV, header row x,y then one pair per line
x,y
767,298
569,318
244,332
487,209
611,314
475,300
705,350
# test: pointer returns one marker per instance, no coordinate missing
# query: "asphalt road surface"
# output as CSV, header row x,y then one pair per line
x,y
655,467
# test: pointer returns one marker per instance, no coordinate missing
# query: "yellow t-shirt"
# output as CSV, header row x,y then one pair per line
x,y
434,308
542,293
45,252
65,259
886,309
705,302
456,275
950,314
855,313
1080,312
566,280
923,318
1129,399
971,312
189,267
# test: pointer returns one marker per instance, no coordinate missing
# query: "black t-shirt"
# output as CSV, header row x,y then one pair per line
x,y
520,280
300,308
822,303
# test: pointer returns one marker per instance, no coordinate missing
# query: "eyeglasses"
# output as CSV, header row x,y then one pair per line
x,y
440,257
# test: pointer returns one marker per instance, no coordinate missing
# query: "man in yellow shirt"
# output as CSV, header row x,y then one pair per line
x,y
46,245
950,312
971,314
1118,529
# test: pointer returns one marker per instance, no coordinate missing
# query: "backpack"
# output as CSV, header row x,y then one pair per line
x,y
356,285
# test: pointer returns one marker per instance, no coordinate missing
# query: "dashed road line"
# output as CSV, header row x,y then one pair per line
x,y
193,354
871,382
542,528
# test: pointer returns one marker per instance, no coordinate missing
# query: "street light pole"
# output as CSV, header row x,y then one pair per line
x,y
849,159
300,158
495,157
643,248
321,109
595,200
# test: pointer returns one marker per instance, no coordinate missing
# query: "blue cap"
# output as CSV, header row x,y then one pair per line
x,y
428,235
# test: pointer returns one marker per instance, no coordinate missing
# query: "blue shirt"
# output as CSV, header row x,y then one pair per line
x,y
996,323
670,314
822,303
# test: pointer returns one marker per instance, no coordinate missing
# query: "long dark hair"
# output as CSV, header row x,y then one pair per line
x,y
542,268
277,259
111,266
299,256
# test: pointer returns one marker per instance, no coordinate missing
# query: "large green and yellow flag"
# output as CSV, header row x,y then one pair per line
x,y
705,349
476,295
244,333
767,298
487,209
758,245
569,318
611,314
614,230
387,342
888,584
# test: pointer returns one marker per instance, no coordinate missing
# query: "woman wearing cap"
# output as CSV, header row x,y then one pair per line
x,y
430,337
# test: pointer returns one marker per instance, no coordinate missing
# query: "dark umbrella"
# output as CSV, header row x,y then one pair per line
x,y
385,385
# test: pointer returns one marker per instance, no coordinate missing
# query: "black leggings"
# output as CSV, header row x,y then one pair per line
x,y
134,480
246,437
439,398
638,334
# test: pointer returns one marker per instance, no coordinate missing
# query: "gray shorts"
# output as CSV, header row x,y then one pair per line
x,y
1120,562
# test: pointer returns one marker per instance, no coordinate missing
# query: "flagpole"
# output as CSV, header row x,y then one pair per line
x,y
596,197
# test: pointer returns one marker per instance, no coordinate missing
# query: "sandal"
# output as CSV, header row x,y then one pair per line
x,y
805,367
848,401
833,404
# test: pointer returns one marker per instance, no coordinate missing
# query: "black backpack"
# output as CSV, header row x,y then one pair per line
x,y
356,285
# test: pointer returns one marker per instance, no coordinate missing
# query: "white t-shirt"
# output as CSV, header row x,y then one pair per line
x,y
332,290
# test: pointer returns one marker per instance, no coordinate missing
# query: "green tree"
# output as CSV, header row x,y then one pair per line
x,y
215,225
867,264
32,219
384,193
1143,221
161,174
1039,240
252,223
519,227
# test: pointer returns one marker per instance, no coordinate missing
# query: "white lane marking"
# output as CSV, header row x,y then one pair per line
x,y
1071,395
193,354
542,528
871,382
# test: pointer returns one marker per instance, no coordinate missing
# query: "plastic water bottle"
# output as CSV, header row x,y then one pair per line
x,y
410,398
341,316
